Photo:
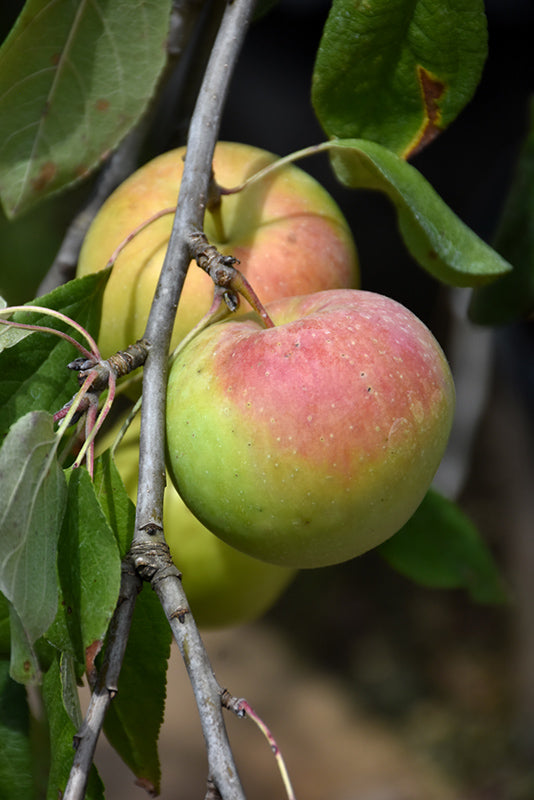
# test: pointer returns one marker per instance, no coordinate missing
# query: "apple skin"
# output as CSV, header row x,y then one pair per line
x,y
223,586
314,441
287,232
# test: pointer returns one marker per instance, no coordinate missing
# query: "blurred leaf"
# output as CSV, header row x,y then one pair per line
x,y
16,781
114,501
398,72
512,297
25,667
89,569
34,374
438,240
441,548
5,634
75,77
59,692
135,716
32,501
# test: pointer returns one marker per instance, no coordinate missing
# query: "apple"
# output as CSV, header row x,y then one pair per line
x,y
287,232
223,586
311,442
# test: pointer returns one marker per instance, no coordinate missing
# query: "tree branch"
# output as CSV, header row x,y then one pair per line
x,y
149,557
148,538
106,688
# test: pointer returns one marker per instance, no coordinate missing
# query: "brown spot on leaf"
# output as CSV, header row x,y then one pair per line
x,y
432,90
91,653
102,104
55,59
46,175
81,171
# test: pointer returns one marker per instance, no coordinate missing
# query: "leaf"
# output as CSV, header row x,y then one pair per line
x,y
135,716
440,547
16,782
397,72
512,297
25,667
5,634
89,569
34,374
75,77
32,501
114,501
58,693
438,240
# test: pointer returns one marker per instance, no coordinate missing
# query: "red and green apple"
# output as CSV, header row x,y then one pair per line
x,y
287,232
314,441
224,587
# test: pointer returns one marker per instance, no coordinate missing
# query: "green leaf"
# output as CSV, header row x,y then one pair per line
x,y
25,667
5,634
59,692
75,77
89,567
135,716
114,501
512,297
440,547
32,501
34,374
16,771
398,72
438,240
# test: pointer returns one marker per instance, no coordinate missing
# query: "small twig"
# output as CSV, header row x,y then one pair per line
x,y
87,736
242,708
141,227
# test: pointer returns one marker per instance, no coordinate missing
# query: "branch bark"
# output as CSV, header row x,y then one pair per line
x,y
149,557
148,536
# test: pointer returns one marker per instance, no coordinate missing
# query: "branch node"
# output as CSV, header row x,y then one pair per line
x,y
180,614
151,528
234,704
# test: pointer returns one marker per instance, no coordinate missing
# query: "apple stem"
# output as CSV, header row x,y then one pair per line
x,y
242,708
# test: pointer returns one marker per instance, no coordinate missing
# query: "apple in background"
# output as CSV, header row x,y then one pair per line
x,y
223,586
287,232
311,442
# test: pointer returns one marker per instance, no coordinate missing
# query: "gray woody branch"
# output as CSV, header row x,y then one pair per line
x,y
149,555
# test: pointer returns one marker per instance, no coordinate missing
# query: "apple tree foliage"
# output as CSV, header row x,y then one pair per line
x,y
75,77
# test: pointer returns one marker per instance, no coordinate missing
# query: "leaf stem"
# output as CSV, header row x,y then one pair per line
x,y
51,312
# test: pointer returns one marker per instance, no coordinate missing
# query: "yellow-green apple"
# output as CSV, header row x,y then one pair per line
x,y
287,232
311,442
223,586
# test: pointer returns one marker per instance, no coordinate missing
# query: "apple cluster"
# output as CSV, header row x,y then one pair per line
x,y
286,231
298,446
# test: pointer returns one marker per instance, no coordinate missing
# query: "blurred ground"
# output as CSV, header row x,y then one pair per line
x,y
332,748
